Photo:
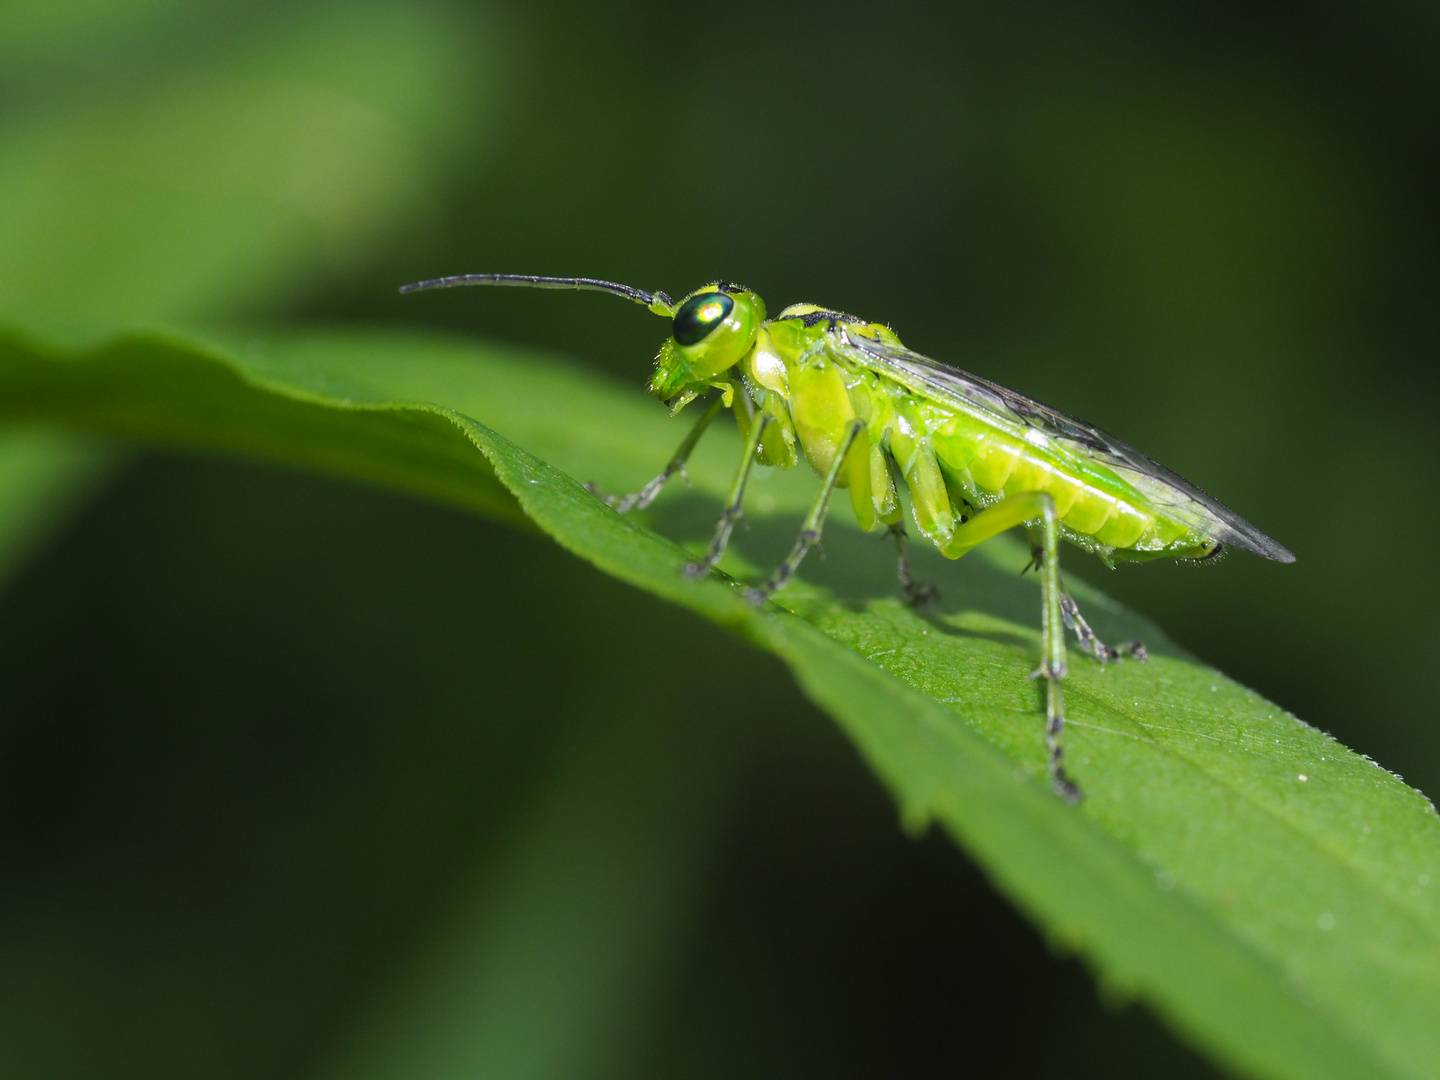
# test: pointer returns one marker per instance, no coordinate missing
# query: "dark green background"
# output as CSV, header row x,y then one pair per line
x,y
288,766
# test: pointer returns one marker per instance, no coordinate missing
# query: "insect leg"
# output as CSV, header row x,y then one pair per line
x,y
639,500
1019,509
733,506
1134,650
915,592
814,521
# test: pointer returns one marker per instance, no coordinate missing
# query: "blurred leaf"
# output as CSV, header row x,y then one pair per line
x,y
1271,893
43,478
547,960
50,31
277,163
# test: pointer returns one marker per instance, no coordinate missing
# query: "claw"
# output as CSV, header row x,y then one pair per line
x,y
919,593
1135,650
1100,651
1068,790
621,504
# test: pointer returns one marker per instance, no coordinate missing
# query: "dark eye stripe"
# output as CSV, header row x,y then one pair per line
x,y
701,314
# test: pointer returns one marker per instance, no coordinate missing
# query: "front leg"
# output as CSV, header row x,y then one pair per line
x,y
639,500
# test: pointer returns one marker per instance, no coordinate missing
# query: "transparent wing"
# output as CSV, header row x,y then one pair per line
x,y
994,404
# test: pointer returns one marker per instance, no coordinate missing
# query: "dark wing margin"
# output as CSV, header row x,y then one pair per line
x,y
994,404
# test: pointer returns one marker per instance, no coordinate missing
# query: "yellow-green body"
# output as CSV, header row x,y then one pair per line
x,y
953,463
868,414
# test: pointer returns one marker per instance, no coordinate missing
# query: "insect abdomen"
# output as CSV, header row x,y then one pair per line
x,y
993,464
949,459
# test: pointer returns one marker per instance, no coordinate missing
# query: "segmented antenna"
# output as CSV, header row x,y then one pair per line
x,y
656,301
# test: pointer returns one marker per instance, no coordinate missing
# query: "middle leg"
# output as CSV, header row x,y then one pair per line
x,y
734,506
916,593
814,522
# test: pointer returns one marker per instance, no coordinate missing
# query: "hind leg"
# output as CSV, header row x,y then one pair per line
x,y
1070,611
1023,508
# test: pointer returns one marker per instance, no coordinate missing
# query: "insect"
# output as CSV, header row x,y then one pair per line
x,y
870,415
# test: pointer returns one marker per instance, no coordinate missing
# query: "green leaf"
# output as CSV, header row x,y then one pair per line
x,y
1268,892
234,178
44,478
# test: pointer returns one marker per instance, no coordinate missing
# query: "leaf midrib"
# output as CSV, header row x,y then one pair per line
x,y
1357,871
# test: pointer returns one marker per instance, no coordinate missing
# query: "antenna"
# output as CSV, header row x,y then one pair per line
x,y
657,302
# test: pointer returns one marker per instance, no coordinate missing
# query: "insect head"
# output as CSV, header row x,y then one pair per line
x,y
714,327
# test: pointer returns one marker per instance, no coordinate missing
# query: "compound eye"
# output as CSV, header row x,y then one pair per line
x,y
701,314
